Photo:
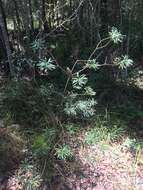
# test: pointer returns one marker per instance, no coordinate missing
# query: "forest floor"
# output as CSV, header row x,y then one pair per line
x,y
95,166
102,166
102,159
105,166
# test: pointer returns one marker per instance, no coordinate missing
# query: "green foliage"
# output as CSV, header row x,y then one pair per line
x,y
79,81
83,108
40,146
92,64
72,129
129,109
33,104
116,132
27,103
123,62
80,105
105,130
86,107
89,91
70,109
16,100
23,66
129,143
132,144
115,35
95,135
37,44
64,152
44,142
45,65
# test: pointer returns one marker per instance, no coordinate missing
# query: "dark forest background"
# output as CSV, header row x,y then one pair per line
x,y
71,83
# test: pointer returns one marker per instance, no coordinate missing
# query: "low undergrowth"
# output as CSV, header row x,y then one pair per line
x,y
57,147
103,143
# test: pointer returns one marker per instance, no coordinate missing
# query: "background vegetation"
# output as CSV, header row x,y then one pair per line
x,y
71,81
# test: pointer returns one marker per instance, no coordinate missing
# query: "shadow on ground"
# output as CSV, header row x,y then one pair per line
x,y
102,166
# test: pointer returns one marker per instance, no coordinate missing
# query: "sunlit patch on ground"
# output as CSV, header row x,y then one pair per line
x,y
108,167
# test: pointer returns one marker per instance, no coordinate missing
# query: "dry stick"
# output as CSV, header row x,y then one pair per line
x,y
70,76
44,167
98,48
86,67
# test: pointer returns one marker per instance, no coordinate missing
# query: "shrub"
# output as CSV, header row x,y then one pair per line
x,y
71,128
42,144
28,104
64,152
105,129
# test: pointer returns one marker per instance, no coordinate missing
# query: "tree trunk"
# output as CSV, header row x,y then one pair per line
x,y
44,20
2,12
3,29
31,15
115,15
17,15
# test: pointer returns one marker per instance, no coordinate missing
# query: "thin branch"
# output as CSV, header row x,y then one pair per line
x,y
98,47
67,82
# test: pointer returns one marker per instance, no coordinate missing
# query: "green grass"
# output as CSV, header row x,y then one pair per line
x,y
72,129
64,152
105,129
